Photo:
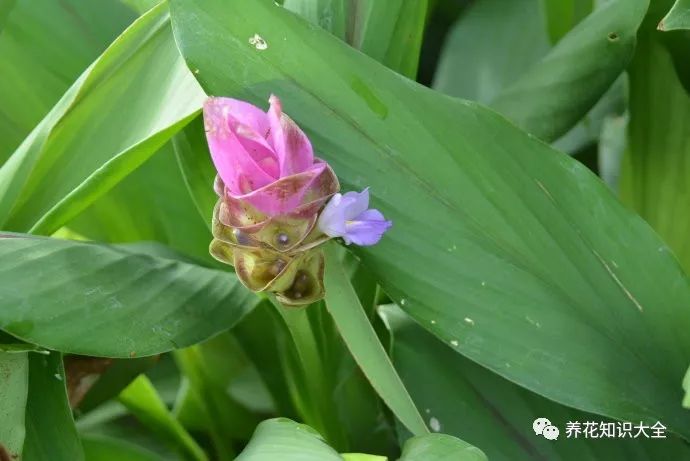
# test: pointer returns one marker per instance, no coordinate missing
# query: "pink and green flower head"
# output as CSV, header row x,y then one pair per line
x,y
263,158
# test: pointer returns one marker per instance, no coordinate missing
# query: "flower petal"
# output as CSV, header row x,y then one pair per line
x,y
287,194
367,228
291,145
332,219
355,203
236,165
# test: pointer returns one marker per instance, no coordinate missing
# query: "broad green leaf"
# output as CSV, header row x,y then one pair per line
x,y
588,133
141,94
466,400
360,337
331,15
515,255
134,304
50,431
390,32
563,15
143,401
100,448
655,169
150,204
10,344
544,91
14,382
479,69
44,48
558,91
678,17
288,441
440,447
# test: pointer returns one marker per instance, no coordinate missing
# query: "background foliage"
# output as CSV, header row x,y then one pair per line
x,y
531,153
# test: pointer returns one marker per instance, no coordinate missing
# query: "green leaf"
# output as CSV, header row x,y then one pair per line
x,y
14,382
288,441
101,448
558,91
686,388
612,145
390,32
150,204
440,447
143,401
521,257
362,457
479,69
264,339
678,17
6,8
466,400
44,49
141,6
50,431
209,373
118,375
361,339
545,92
134,304
314,394
141,94
655,169
563,15
197,169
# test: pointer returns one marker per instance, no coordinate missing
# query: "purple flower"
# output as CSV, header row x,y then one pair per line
x,y
348,216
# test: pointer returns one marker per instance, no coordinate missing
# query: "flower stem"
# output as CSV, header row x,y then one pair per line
x,y
364,345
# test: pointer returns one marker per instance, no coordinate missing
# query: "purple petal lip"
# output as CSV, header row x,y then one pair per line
x,y
347,216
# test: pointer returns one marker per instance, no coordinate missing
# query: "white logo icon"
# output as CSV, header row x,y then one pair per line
x,y
542,426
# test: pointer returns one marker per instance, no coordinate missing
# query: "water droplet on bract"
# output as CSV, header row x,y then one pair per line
x,y
282,239
454,343
469,321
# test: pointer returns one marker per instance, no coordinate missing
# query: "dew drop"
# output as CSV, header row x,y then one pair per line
x,y
435,424
258,42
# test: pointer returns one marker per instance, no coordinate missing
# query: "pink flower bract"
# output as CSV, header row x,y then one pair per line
x,y
263,158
